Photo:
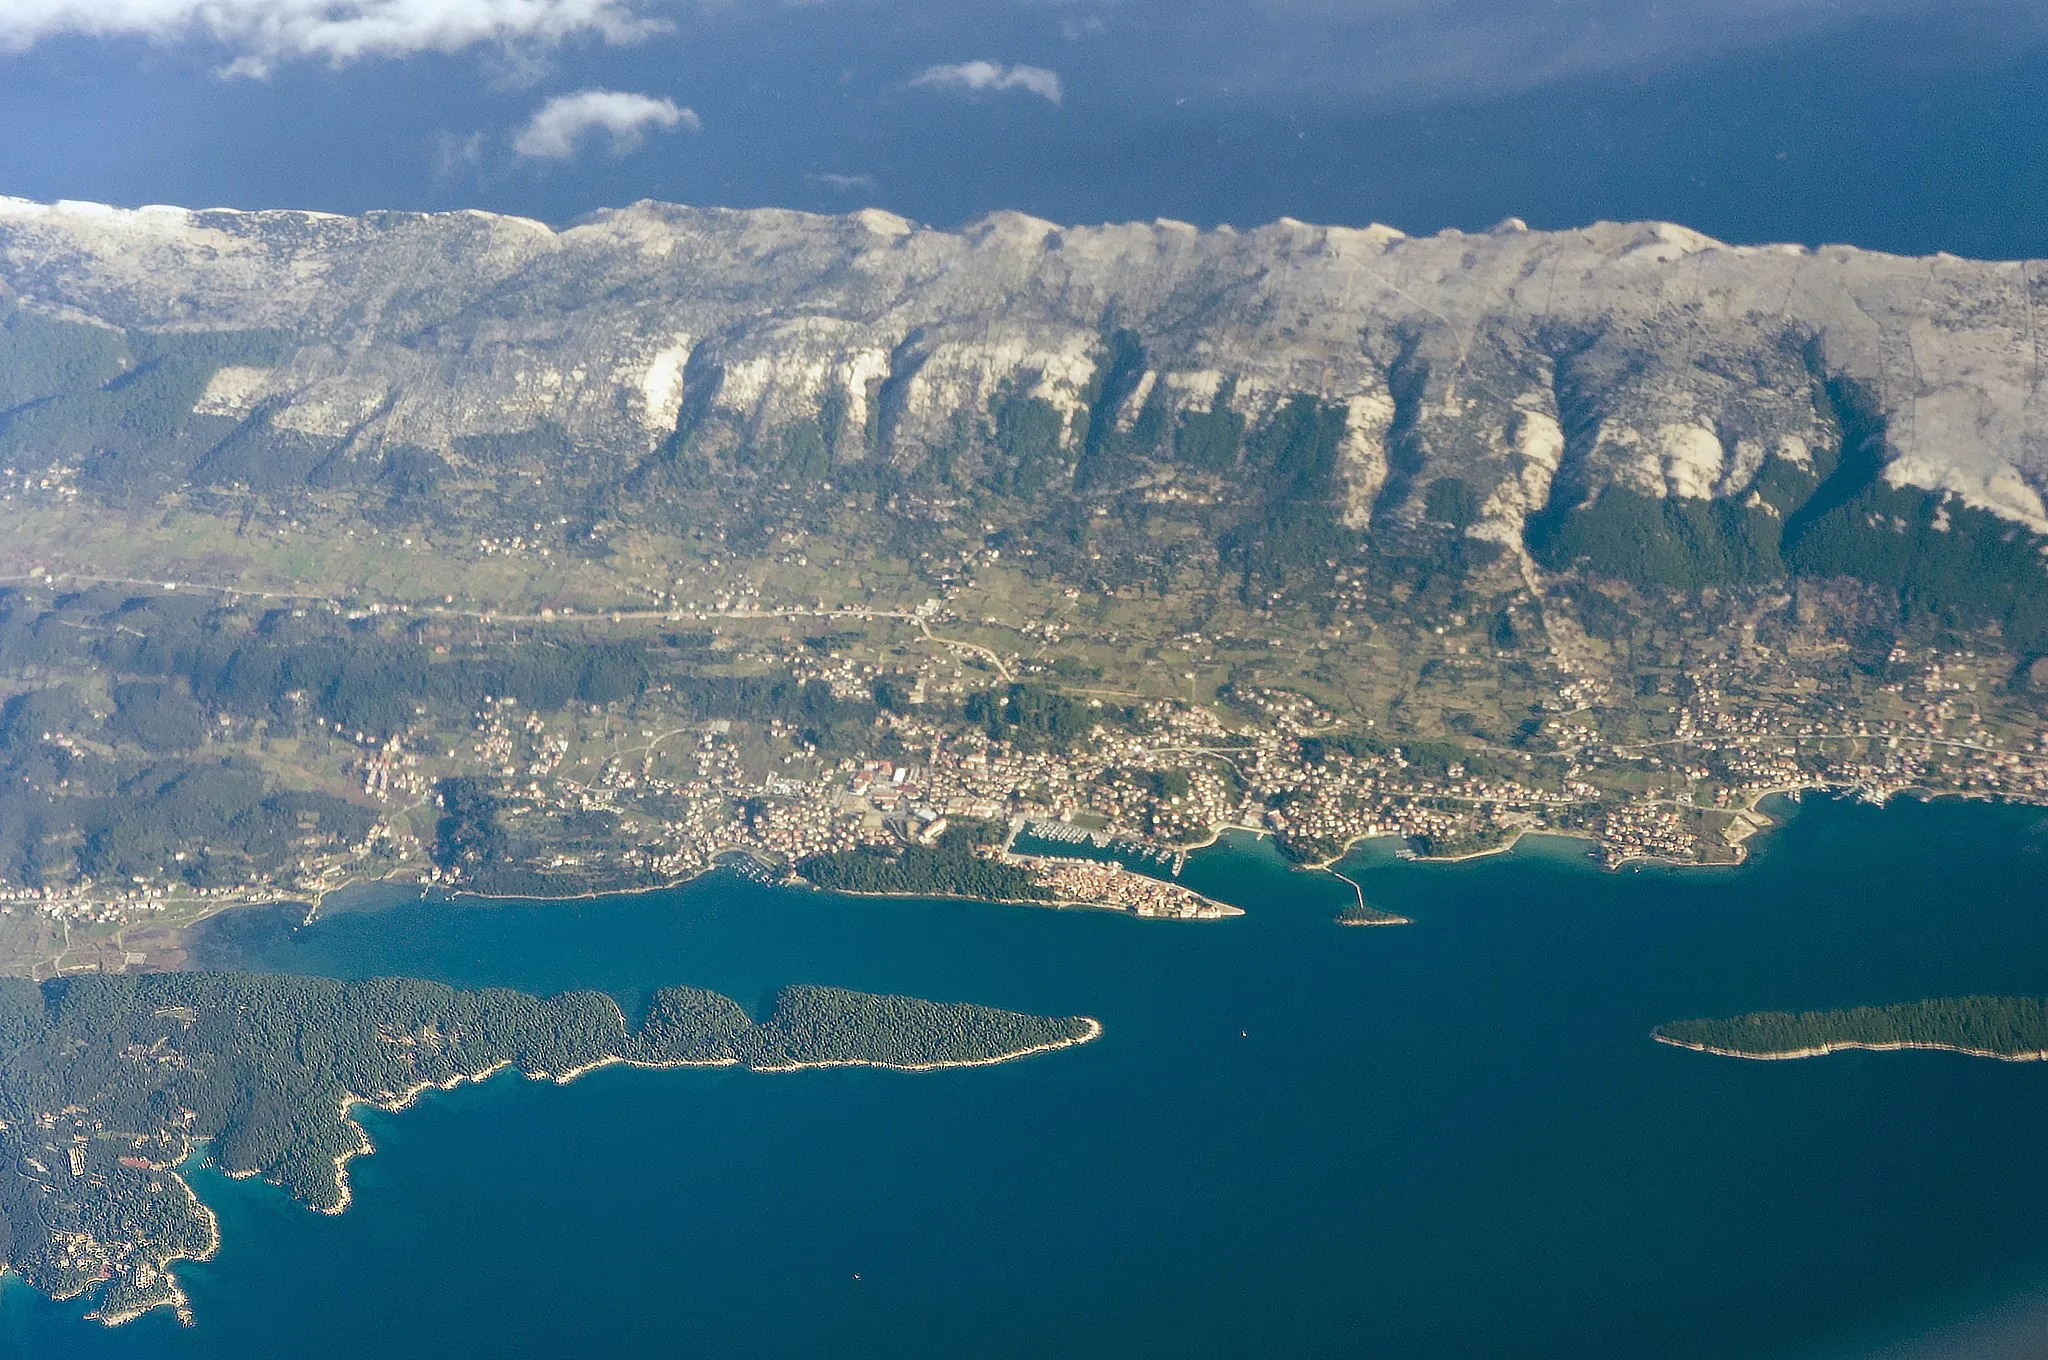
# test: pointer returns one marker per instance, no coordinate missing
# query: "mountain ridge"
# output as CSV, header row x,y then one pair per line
x,y
1691,362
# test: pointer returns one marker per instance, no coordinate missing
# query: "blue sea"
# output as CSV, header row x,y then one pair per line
x,y
1452,1138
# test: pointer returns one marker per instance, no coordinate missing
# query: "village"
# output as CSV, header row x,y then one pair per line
x,y
1668,766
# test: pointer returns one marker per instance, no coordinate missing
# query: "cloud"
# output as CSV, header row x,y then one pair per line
x,y
456,156
560,125
845,184
1392,50
264,33
970,77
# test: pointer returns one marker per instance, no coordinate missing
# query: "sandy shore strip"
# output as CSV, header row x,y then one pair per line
x,y
1852,1045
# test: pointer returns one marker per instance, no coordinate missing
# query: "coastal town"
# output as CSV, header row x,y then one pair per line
x,y
904,728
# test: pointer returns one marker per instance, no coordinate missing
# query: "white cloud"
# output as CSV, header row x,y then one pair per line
x,y
560,125
844,184
264,33
457,158
973,76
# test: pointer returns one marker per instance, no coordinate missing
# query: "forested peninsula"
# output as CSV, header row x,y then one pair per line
x,y
107,1083
2014,1028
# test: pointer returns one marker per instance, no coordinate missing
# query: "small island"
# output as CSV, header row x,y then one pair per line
x,y
108,1084
2010,1028
1359,914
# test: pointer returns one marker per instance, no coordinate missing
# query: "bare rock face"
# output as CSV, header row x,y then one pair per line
x,y
1523,366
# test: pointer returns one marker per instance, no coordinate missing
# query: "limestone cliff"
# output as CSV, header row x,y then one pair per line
x,y
1527,366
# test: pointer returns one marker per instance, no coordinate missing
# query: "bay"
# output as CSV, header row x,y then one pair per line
x,y
1453,1138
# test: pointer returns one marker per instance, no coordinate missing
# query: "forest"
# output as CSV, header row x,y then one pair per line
x,y
67,809
108,1081
921,871
1944,563
498,857
1033,717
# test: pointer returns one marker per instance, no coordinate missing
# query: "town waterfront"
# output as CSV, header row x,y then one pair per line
x,y
1450,1138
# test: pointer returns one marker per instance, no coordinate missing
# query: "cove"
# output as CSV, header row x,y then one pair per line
x,y
1451,1138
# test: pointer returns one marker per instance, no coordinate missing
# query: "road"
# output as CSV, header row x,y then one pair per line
x,y
493,616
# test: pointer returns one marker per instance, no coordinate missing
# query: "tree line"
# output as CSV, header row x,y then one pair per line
x,y
141,1067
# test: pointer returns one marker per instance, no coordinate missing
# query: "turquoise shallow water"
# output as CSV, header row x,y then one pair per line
x,y
1447,1139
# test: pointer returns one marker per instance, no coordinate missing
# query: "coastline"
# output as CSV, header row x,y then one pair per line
x,y
390,1104
173,1296
1754,821
1852,1045
1747,816
1751,821
394,1103
398,1101
1223,910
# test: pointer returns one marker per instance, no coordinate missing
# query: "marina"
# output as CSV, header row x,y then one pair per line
x,y
1129,850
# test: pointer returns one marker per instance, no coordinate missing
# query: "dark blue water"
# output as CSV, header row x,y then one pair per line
x,y
1447,1139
